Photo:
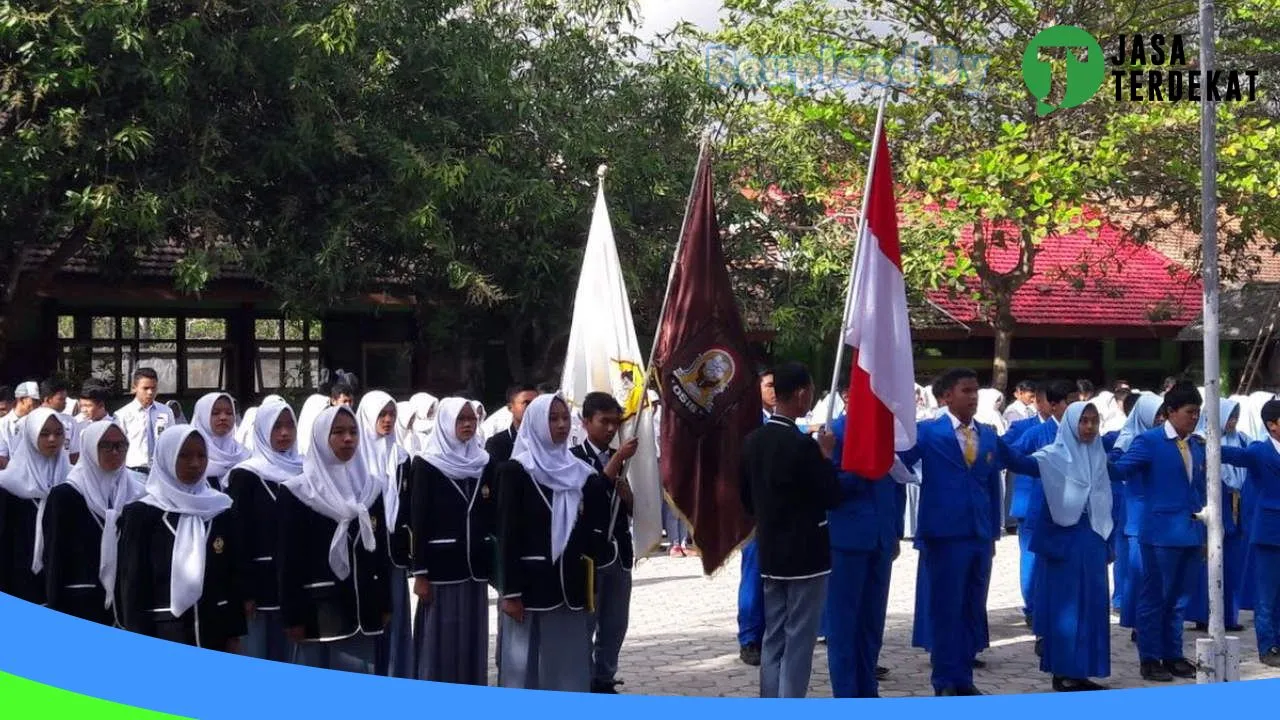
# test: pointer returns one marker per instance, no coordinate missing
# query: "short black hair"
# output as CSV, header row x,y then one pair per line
x,y
1025,386
1271,412
1121,387
599,402
51,387
948,380
1057,391
339,389
95,391
790,378
1182,395
548,388
6,393
145,373
517,388
765,372
1085,387
1129,402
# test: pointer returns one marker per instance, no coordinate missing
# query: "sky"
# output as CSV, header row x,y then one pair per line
x,y
659,16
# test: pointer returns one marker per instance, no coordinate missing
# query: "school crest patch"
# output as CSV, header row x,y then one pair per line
x,y
218,545
628,386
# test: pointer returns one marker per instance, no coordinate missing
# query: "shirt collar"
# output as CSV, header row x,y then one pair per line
x,y
1170,433
1274,443
591,447
955,421
783,419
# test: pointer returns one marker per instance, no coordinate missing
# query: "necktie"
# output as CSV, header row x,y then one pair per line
x,y
1185,449
970,446
149,436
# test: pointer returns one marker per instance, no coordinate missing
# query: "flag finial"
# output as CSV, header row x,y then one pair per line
x,y
602,171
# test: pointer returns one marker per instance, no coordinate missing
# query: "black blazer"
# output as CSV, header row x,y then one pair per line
x,y
400,543
17,549
455,525
500,446
622,547
788,486
145,560
256,516
524,528
72,554
311,596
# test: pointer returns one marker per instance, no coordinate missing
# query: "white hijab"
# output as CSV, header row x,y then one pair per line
x,y
382,456
311,409
1075,474
551,466
224,451
197,504
1233,477
1141,419
105,494
1251,414
30,475
990,404
425,406
340,491
452,457
405,435
267,462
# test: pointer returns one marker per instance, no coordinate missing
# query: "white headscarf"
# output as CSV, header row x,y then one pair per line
x,y
197,504
224,452
340,491
990,403
405,435
453,458
267,462
1233,477
1140,420
311,409
1109,411
1075,474
30,475
105,494
1251,414
381,455
551,466
926,404
425,406
244,430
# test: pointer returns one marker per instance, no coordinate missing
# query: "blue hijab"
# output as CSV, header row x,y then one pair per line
x,y
1074,475
1233,477
1140,420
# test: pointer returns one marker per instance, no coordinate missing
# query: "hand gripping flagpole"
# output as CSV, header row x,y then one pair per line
x,y
853,265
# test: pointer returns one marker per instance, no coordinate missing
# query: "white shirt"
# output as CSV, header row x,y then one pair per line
x,y
1172,434
960,436
8,429
604,454
1019,410
141,426
1274,443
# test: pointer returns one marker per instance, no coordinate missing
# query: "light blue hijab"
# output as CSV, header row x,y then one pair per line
x,y
1074,474
1232,476
1140,420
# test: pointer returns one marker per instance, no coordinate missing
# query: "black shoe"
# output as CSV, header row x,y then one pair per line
x,y
750,654
605,687
1234,628
969,691
978,664
1154,671
1066,684
1133,636
1271,658
1180,668
946,692
881,672
1026,620
1039,647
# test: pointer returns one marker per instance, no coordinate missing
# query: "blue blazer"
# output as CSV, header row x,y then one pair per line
x,y
1024,486
957,501
1117,489
1154,464
1263,463
1034,438
869,516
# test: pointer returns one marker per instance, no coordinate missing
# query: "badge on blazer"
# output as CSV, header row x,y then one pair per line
x,y
218,545
484,491
990,457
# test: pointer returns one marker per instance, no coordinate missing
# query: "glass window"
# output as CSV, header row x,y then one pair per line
x,y
104,328
66,327
206,329
266,330
206,368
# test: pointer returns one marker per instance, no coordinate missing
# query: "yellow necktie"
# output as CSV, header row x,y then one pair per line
x,y
1185,449
970,446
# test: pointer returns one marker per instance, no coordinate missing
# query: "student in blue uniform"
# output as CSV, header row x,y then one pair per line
x,y
1262,461
1148,412
1024,489
1071,545
865,531
1233,542
1167,463
1119,548
958,526
750,586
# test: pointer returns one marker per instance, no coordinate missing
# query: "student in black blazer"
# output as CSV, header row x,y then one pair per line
x,y
518,398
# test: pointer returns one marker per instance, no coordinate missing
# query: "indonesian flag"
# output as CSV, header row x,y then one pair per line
x,y
882,404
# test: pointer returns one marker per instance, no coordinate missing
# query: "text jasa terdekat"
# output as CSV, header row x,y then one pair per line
x,y
1136,55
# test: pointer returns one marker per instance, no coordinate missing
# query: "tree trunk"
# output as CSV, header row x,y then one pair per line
x,y
1000,364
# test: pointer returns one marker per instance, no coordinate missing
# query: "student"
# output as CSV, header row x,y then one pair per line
x,y
1024,489
27,398
1261,460
175,407
518,398
332,553
53,395
1232,533
1119,545
601,417
865,531
1147,413
254,486
39,463
1251,424
1024,405
454,518
215,418
80,524
1085,391
388,464
1070,541
414,420
94,397
342,394
1167,463
143,420
177,578
244,431
750,585
551,535
311,409
788,484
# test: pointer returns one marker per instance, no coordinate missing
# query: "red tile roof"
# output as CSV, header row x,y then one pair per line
x,y
1083,280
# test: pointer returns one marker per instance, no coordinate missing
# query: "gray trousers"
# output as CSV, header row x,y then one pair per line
x,y
613,610
550,650
792,616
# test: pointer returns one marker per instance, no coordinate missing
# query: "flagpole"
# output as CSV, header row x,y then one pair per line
x,y
853,265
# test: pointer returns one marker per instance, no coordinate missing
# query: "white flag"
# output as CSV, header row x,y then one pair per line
x,y
604,356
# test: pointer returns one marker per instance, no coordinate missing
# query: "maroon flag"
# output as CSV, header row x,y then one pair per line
x,y
710,396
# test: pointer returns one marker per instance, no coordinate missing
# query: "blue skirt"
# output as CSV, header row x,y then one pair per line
x,y
1246,590
1132,583
921,630
395,657
1233,559
1072,601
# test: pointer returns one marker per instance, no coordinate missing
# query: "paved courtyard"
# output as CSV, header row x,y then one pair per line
x,y
682,639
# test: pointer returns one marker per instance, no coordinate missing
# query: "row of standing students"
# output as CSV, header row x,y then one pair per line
x,y
307,558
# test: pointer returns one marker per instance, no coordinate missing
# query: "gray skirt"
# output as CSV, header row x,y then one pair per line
x,y
550,650
356,654
452,634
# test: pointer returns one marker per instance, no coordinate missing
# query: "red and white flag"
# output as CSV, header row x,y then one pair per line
x,y
881,414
